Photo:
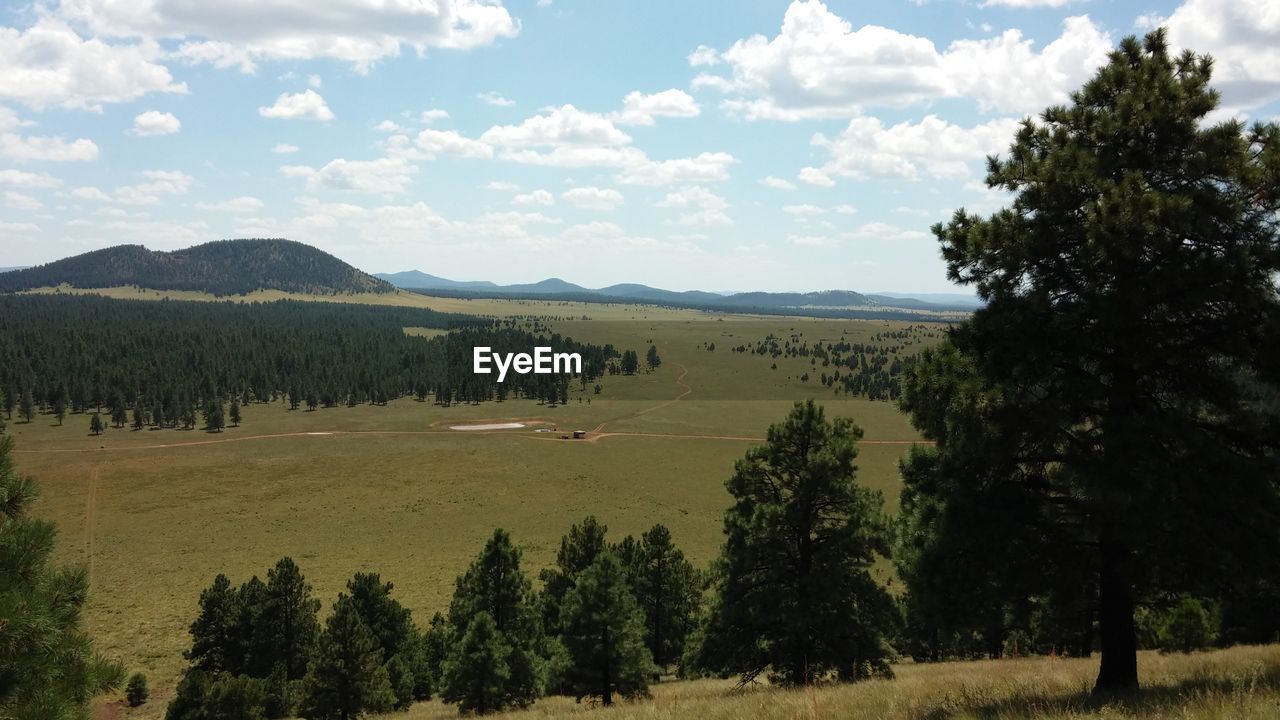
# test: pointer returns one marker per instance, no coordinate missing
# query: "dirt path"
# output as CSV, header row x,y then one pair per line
x,y
90,519
597,432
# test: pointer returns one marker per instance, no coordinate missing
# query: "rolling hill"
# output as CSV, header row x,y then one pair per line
x,y
225,267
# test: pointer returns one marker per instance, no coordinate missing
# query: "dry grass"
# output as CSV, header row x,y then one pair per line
x,y
1235,684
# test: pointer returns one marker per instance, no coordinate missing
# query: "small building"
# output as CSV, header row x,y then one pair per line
x,y
579,434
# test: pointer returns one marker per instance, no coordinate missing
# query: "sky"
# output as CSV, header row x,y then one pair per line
x,y
715,145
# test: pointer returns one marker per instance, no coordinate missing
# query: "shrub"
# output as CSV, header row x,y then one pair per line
x,y
136,691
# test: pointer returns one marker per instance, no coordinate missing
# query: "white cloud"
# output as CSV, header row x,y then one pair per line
x,y
494,99
388,126
867,149
49,64
777,183
430,116
1025,3
805,210
48,149
845,209
314,81
884,231
703,55
23,229
537,197
562,126
502,185
306,105
703,207
819,66
1243,36
284,149
21,202
640,109
159,182
387,176
593,198
448,142
19,178
153,122
90,193
703,167
357,31
243,204
814,176
811,240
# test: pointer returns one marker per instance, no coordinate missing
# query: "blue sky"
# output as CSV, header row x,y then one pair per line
x,y
710,145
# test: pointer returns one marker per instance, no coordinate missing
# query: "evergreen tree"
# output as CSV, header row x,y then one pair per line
x,y
435,650
668,590
95,425
286,626
214,419
235,413
1113,384
60,411
495,584
48,665
476,675
398,638
603,632
9,400
27,408
139,417
630,362
136,692
217,637
793,586
346,677
578,549
651,357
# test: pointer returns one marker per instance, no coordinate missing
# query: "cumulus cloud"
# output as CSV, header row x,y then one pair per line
x,y
641,109
90,193
284,149
494,99
153,122
884,231
448,142
47,149
432,115
702,207
867,149
22,179
306,105
820,66
777,183
236,32
537,197
593,198
49,64
562,126
805,210
387,176
243,204
158,183
21,202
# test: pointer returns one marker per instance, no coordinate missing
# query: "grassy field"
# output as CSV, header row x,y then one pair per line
x,y
1236,684
157,513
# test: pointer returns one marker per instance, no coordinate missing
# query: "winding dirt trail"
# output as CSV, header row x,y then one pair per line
x,y
597,432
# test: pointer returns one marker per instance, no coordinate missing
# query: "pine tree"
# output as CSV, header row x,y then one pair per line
x,y
49,666
287,625
139,417
578,549
136,692
27,408
392,625
60,411
217,642
95,425
603,632
235,413
435,650
1113,385
495,584
794,591
346,677
214,420
476,675
668,590
651,357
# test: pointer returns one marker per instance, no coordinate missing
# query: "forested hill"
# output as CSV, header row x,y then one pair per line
x,y
225,267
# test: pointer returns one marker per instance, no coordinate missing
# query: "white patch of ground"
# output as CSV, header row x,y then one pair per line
x,y
489,426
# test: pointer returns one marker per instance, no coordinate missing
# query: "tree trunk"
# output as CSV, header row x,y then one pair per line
x,y
1117,634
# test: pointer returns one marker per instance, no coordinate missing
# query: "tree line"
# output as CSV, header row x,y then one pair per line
x,y
174,363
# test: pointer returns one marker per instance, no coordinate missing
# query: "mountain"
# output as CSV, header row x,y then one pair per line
x,y
16,267
225,267
557,289
962,300
419,280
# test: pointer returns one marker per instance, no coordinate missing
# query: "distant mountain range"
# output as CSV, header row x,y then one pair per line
x,y
225,267
555,288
